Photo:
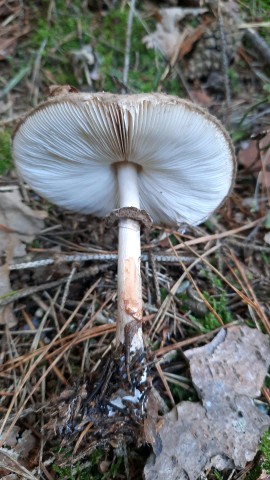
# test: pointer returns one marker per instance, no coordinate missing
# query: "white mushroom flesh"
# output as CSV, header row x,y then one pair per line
x,y
69,153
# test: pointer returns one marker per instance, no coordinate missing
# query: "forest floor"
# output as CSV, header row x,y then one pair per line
x,y
57,319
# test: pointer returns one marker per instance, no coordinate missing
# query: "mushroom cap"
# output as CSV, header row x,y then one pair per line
x,y
68,150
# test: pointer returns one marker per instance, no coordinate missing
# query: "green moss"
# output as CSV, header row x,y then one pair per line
x,y
181,394
110,37
5,150
60,36
92,470
218,475
263,458
220,305
70,27
254,473
218,300
146,66
265,449
163,293
257,11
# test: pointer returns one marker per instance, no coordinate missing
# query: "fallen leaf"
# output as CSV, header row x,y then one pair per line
x,y
11,476
13,26
57,90
150,421
201,98
255,156
25,444
265,159
267,238
188,43
19,223
8,44
85,64
264,476
7,316
223,431
248,156
168,38
21,444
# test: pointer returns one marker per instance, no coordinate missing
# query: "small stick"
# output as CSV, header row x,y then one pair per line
x,y
259,44
69,280
83,257
165,383
155,278
128,44
224,58
42,344
24,292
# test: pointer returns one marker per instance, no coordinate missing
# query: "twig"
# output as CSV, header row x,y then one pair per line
x,y
165,383
36,72
69,280
41,343
163,309
82,257
248,246
128,43
224,58
155,278
3,436
93,332
14,466
257,307
190,341
25,292
254,25
259,44
208,305
217,236
244,297
14,81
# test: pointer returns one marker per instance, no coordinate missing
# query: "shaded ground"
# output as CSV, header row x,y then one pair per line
x,y
53,334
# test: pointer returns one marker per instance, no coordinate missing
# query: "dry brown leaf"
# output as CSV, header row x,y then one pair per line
x,y
18,223
21,445
267,238
151,435
9,42
13,26
12,438
11,476
248,156
256,157
224,430
168,37
264,476
188,43
7,316
10,463
201,98
265,159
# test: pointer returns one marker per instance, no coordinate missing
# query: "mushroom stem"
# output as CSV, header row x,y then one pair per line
x,y
129,322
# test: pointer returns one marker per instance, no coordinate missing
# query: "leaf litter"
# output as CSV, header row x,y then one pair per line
x,y
19,225
224,429
61,332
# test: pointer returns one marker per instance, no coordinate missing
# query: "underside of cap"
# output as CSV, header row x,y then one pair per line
x,y
68,150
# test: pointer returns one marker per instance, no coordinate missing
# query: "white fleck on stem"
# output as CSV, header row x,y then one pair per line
x,y
129,256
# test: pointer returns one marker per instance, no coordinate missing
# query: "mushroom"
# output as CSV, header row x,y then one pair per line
x,y
132,154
